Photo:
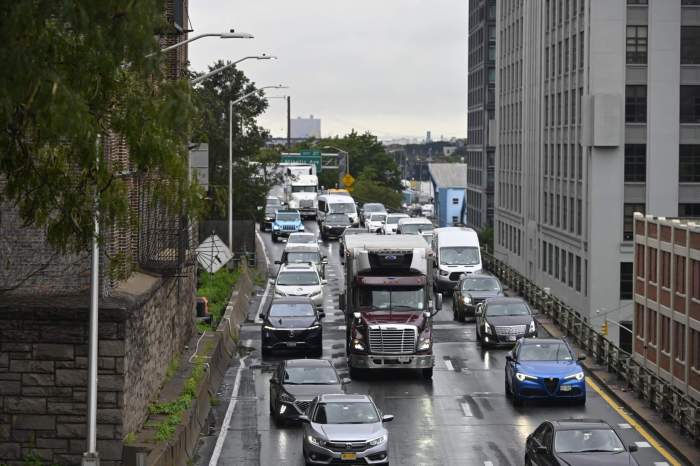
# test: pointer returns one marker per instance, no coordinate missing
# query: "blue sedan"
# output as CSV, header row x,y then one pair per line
x,y
544,369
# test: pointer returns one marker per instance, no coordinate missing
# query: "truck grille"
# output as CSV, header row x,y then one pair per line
x,y
289,227
392,341
511,330
306,203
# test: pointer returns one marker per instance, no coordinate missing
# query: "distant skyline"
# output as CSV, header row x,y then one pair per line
x,y
397,68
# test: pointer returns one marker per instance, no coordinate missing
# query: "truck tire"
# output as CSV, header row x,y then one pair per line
x,y
428,373
355,373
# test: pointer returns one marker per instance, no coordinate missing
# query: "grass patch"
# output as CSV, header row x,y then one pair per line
x,y
217,289
129,438
203,327
166,428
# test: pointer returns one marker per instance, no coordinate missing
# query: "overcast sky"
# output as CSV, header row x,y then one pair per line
x,y
394,67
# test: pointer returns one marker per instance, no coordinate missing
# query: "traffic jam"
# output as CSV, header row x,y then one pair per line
x,y
398,268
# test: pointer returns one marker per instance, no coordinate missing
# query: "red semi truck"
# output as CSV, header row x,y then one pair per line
x,y
389,303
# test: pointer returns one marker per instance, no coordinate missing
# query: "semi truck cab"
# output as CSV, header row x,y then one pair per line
x,y
389,303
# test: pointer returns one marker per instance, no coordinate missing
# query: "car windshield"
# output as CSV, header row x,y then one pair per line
x,y
394,298
554,351
415,228
310,376
297,278
292,310
344,208
314,257
480,284
377,217
373,208
462,255
270,210
273,201
338,219
511,309
303,189
302,239
392,219
287,217
587,441
346,413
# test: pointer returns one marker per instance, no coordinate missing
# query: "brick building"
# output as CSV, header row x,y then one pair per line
x,y
145,319
667,299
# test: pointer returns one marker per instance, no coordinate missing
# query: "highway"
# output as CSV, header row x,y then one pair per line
x,y
462,417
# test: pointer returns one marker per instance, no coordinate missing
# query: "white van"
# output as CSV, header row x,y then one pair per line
x,y
456,252
336,204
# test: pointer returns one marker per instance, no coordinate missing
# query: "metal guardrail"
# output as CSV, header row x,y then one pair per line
x,y
673,405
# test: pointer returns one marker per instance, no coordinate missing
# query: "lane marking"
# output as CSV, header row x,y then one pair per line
x,y
449,365
466,409
267,259
258,320
488,463
647,436
642,444
624,425
661,463
214,461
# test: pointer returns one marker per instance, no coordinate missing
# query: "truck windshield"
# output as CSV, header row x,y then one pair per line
x,y
392,298
463,255
344,208
303,189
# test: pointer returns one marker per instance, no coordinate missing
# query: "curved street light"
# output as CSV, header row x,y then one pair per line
x,y
221,35
229,65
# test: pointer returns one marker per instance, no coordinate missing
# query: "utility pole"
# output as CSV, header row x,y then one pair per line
x,y
289,123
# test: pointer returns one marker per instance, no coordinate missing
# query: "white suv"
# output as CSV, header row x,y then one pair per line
x,y
392,223
300,279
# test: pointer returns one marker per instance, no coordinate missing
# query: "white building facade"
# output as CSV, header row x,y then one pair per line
x,y
303,128
597,109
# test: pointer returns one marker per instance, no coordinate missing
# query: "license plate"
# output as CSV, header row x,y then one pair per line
x,y
511,337
291,344
348,456
404,359
565,388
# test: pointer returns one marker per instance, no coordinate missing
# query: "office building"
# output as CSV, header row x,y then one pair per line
x,y
597,112
667,300
481,102
304,128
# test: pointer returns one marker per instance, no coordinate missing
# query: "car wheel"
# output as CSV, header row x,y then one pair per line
x,y
507,389
274,238
428,373
581,401
517,401
265,352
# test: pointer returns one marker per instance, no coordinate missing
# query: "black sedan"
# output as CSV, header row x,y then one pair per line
x,y
292,323
334,225
502,321
472,290
296,382
577,442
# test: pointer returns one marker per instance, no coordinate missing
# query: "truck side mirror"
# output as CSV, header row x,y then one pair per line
x,y
341,301
438,301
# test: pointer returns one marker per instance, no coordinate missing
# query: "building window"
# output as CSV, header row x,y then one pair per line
x,y
679,341
556,262
571,270
637,2
651,326
690,104
636,104
665,334
680,274
635,163
455,200
626,280
628,219
636,44
652,264
690,45
689,210
690,2
689,163
563,266
639,259
665,269
578,274
639,320
694,349
492,75
694,279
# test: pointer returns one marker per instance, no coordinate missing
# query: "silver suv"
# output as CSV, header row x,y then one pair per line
x,y
340,428
300,279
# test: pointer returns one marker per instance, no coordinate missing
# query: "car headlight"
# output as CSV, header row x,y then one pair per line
x,y
267,327
532,327
444,273
377,441
315,441
487,327
578,376
314,327
425,340
467,299
284,396
275,226
301,227
315,293
280,293
358,345
520,376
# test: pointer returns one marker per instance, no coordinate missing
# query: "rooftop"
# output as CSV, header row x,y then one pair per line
x,y
448,175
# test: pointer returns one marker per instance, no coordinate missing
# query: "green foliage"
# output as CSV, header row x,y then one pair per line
x,y
129,438
75,71
368,188
217,289
212,98
167,427
486,238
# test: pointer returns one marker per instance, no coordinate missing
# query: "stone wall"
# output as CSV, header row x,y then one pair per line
x,y
43,366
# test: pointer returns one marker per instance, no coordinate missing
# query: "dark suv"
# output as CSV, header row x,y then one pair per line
x,y
334,225
472,290
502,321
292,323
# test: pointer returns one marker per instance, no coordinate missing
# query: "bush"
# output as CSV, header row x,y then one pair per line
x,y
217,289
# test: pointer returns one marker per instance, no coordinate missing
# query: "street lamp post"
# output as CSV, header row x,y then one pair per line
x,y
230,156
222,35
229,65
346,154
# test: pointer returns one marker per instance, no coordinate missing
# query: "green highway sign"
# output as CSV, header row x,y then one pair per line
x,y
309,157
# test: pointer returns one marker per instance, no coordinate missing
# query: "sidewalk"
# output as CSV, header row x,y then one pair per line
x,y
681,446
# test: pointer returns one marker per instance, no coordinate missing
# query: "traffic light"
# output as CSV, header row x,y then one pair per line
x,y
604,328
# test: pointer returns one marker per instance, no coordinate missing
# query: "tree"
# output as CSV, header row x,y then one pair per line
x,y
368,188
72,72
251,179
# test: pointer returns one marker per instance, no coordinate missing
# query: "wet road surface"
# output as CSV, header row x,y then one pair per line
x,y
462,417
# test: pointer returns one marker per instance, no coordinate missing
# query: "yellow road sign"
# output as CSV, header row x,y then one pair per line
x,y
348,180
